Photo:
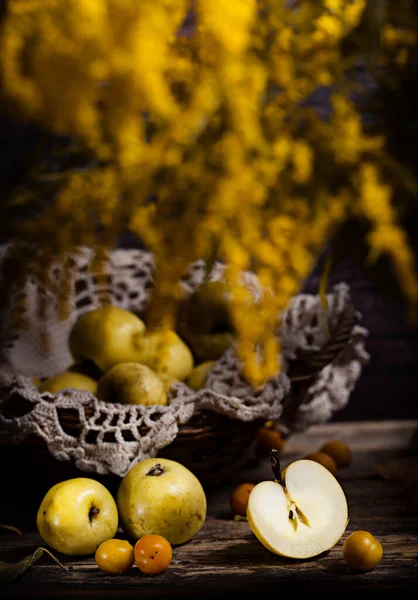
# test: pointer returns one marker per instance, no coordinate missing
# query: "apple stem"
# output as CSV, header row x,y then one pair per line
x,y
275,465
93,512
156,470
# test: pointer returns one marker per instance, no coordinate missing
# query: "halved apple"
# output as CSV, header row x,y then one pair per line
x,y
300,514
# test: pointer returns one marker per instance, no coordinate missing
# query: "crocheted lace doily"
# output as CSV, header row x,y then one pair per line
x,y
113,437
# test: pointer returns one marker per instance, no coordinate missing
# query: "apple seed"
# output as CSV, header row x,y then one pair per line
x,y
302,517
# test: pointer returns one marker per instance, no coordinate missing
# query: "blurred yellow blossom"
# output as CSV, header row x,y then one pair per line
x,y
198,140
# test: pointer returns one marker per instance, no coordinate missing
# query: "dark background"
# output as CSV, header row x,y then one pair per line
x,y
388,385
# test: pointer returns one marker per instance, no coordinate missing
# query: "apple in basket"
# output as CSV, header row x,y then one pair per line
x,y
205,321
106,336
110,335
300,514
66,380
164,352
132,383
161,496
197,378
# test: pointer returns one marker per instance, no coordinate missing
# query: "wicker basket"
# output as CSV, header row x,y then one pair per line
x,y
212,441
212,446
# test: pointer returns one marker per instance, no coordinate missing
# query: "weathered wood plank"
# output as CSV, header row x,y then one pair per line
x,y
225,555
362,435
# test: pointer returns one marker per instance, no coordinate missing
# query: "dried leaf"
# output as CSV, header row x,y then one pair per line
x,y
9,571
10,528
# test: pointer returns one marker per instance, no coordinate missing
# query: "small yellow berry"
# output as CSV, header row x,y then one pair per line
x,y
268,439
362,551
239,498
323,459
339,451
115,556
153,554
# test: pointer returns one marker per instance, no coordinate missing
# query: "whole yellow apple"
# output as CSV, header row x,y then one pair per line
x,y
67,380
106,335
205,320
132,383
161,496
77,515
164,352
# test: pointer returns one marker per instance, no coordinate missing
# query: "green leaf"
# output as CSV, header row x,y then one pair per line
x,y
9,571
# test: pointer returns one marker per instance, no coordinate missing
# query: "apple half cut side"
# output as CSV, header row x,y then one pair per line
x,y
301,516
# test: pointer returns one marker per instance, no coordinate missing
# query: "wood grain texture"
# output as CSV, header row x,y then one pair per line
x,y
225,557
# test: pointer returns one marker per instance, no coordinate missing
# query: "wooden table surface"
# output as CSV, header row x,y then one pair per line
x,y
225,556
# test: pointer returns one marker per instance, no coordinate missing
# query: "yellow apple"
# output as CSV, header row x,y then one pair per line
x,y
67,380
163,497
106,335
196,379
164,352
36,381
205,320
132,383
167,380
300,514
77,515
